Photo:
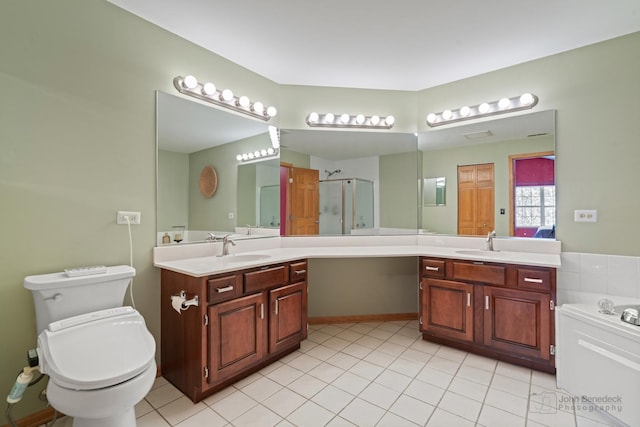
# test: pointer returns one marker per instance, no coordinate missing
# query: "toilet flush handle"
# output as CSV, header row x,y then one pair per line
x,y
55,297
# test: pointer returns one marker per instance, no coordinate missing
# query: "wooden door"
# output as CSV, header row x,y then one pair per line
x,y
288,317
237,335
476,199
447,309
305,201
518,322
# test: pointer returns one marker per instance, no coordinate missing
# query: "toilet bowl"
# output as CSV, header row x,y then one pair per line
x,y
100,363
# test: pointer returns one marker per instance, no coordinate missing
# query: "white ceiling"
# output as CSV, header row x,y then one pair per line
x,y
401,45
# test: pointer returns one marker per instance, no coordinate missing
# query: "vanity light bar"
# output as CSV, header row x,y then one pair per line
x,y
350,121
189,85
258,154
505,105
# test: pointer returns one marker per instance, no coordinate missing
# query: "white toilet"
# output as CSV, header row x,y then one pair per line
x,y
99,355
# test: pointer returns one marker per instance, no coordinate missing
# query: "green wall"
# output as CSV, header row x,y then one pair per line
x,y
77,128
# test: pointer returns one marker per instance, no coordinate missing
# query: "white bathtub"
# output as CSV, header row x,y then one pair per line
x,y
598,361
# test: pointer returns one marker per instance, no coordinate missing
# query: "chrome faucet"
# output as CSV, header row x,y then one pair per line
x,y
211,237
248,229
490,237
225,244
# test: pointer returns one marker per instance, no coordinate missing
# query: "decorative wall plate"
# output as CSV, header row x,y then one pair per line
x,y
208,181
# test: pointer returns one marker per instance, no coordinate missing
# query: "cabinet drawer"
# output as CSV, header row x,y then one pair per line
x,y
479,272
264,278
535,279
298,272
224,288
433,268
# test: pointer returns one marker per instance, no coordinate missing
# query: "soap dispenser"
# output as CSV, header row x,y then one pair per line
x,y
166,238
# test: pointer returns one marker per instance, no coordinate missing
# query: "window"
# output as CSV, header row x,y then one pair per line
x,y
535,206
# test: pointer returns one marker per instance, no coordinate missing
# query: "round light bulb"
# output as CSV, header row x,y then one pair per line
x,y
390,120
375,120
526,99
271,111
244,101
190,82
360,119
250,155
464,111
258,107
270,151
504,103
329,118
239,157
208,89
432,118
447,114
227,95
313,117
245,156
484,108
263,152
344,118
256,153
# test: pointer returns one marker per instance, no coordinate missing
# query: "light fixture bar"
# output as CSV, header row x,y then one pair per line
x,y
504,105
329,120
208,92
262,154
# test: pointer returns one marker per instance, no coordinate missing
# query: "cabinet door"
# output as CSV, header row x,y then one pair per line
x,y
237,335
447,309
288,318
517,322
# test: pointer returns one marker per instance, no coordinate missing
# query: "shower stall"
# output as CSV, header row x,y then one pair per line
x,y
345,205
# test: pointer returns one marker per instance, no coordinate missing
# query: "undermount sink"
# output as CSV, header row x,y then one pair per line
x,y
480,252
244,258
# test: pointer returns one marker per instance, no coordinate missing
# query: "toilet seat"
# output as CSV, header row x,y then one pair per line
x,y
96,350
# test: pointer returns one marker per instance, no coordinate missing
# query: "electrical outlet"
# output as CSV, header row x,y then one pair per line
x,y
585,215
134,217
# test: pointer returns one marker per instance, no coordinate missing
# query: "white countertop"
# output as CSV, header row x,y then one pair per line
x,y
202,259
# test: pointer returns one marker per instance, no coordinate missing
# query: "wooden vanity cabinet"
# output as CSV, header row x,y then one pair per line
x,y
498,310
246,319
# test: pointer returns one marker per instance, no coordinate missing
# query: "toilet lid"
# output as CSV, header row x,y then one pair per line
x,y
96,350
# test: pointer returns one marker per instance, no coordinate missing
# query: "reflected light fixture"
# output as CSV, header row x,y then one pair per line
x,y
208,92
330,120
504,105
263,153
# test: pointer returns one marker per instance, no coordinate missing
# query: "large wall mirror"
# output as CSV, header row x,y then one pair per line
x,y
191,137
363,183
369,182
499,175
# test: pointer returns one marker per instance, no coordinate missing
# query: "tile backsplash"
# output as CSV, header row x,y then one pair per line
x,y
613,275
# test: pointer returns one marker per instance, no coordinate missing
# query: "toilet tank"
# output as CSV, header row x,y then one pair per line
x,y
58,297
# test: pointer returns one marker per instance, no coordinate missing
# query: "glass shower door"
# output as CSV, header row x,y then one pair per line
x,y
363,204
331,207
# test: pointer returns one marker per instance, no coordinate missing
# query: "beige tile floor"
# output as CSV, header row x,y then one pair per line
x,y
374,374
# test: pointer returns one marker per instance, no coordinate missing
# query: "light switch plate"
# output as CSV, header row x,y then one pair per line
x,y
585,215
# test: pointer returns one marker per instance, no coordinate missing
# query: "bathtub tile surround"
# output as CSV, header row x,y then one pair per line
x,y
584,277
396,379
